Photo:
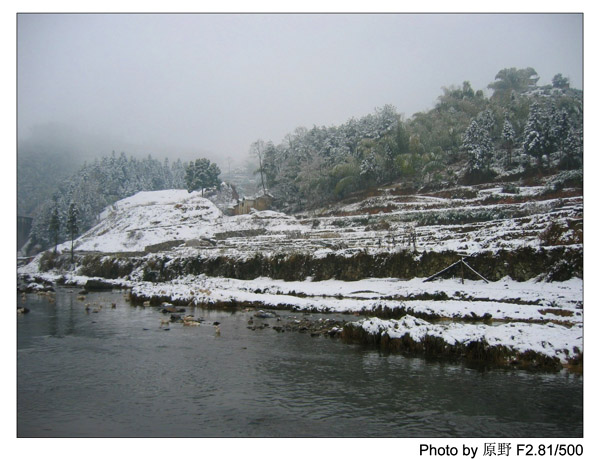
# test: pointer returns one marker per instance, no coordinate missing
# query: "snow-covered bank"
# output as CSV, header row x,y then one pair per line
x,y
533,319
503,300
544,318
506,343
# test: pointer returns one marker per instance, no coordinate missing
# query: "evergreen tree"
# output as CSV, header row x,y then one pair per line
x,y
536,141
478,145
573,149
54,223
369,169
270,164
202,174
486,120
190,177
559,128
508,137
72,224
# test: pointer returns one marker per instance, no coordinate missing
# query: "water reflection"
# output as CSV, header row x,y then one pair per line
x,y
117,373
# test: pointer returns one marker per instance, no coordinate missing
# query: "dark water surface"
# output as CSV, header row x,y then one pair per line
x,y
116,373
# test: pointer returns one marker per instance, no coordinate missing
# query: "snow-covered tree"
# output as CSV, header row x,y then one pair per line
x,y
479,147
384,120
486,120
508,138
369,169
536,141
559,127
573,149
202,174
73,224
54,223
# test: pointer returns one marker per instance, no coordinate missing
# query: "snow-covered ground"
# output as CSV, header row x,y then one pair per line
x,y
378,224
503,300
149,218
545,317
550,340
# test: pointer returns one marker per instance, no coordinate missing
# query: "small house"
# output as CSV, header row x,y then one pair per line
x,y
245,205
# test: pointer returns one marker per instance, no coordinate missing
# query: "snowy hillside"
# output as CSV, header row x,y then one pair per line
x,y
149,218
465,219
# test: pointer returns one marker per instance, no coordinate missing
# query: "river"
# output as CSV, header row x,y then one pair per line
x,y
117,373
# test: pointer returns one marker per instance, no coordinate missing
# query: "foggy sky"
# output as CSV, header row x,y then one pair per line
x,y
211,84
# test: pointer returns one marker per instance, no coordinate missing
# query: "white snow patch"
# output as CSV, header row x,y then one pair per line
x,y
550,340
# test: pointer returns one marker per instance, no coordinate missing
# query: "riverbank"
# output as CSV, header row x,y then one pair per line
x,y
533,325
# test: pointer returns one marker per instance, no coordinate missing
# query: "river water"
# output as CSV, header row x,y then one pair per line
x,y
117,373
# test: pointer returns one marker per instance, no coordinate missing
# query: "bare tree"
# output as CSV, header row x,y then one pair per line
x,y
257,149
